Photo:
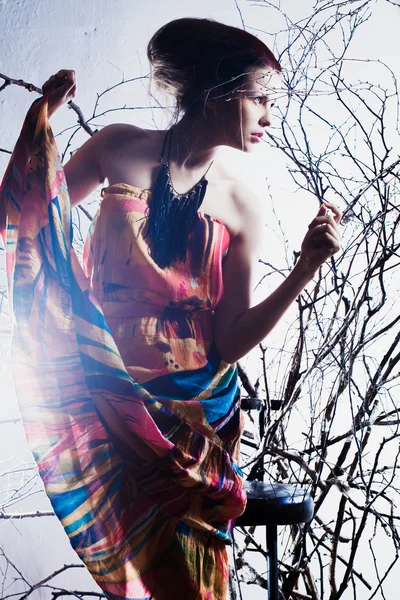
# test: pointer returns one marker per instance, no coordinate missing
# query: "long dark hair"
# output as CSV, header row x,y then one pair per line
x,y
196,59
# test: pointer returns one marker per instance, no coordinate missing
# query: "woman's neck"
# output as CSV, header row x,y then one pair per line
x,y
193,143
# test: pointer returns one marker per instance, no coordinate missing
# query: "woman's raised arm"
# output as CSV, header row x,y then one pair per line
x,y
239,328
83,171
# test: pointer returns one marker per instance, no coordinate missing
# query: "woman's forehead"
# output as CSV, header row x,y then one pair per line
x,y
266,81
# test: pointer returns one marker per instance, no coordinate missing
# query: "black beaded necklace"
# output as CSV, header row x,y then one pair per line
x,y
172,215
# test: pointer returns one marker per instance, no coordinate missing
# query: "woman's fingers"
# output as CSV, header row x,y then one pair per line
x,y
60,87
327,239
320,224
326,218
63,80
323,238
329,207
322,228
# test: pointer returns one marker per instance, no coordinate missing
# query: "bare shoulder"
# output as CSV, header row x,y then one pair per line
x,y
110,137
246,201
118,153
113,135
128,154
242,204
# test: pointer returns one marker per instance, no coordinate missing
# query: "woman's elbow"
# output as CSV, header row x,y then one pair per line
x,y
228,351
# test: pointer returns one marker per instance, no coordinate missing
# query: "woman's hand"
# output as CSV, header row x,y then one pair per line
x,y
322,239
61,88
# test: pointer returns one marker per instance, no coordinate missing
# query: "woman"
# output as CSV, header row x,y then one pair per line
x,y
126,372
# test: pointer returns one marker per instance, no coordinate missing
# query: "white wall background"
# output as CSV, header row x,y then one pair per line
x,y
104,40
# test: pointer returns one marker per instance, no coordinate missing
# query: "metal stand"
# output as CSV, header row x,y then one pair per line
x,y
272,562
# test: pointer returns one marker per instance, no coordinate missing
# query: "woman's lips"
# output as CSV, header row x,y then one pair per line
x,y
257,136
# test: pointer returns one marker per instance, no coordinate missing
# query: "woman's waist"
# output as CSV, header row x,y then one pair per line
x,y
172,312
161,344
148,322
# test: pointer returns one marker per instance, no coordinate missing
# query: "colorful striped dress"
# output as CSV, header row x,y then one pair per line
x,y
131,415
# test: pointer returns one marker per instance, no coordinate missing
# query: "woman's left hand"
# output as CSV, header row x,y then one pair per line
x,y
322,239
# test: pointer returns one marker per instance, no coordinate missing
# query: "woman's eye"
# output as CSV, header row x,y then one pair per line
x,y
258,99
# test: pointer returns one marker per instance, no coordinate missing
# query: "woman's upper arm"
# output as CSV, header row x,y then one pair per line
x,y
85,171
238,273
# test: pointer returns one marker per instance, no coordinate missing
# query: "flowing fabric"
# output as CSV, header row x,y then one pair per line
x,y
131,415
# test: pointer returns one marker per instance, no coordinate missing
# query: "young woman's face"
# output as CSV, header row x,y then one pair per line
x,y
247,112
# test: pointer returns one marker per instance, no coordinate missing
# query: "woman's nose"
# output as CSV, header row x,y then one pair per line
x,y
265,120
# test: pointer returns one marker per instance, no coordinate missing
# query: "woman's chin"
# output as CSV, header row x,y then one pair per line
x,y
248,147
244,145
